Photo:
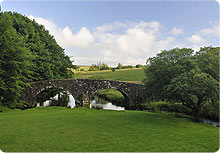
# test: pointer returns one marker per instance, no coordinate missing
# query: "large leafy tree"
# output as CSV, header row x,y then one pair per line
x,y
180,75
49,59
27,53
160,70
193,89
15,62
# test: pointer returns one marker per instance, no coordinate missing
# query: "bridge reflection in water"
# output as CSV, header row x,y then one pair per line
x,y
95,103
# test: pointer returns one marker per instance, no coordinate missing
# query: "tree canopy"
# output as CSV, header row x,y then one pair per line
x,y
27,53
193,89
185,76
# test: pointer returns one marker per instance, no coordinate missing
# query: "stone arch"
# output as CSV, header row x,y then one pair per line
x,y
46,88
127,100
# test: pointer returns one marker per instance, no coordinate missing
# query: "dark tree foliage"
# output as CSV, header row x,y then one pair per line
x,y
193,89
180,75
27,53
47,94
139,66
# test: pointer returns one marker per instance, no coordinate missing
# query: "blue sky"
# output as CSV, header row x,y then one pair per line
x,y
127,32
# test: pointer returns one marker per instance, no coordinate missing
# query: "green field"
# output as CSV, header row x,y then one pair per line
x,y
57,129
132,75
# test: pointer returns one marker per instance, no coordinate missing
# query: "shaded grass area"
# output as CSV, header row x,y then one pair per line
x,y
57,129
6,109
132,75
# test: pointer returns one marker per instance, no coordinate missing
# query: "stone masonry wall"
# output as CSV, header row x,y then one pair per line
x,y
131,91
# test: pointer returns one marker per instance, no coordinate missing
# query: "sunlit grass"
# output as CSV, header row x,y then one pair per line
x,y
131,75
57,129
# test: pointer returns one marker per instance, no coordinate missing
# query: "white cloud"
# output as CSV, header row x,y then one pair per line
x,y
213,31
196,39
104,28
176,31
64,36
129,43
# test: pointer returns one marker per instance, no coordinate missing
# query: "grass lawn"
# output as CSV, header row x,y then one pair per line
x,y
57,129
132,75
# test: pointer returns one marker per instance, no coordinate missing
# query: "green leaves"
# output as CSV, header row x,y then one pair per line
x,y
14,61
181,76
27,53
165,66
192,86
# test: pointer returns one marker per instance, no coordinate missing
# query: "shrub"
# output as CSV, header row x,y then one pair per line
x,y
166,106
139,66
4,108
113,69
159,106
179,108
127,67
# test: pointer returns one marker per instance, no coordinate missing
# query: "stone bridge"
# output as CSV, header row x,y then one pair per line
x,y
133,93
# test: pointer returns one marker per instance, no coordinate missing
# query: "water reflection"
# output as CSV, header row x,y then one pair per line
x,y
53,100
95,103
210,122
71,102
107,105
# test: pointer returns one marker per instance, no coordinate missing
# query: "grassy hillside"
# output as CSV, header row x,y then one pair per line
x,y
132,75
56,129
81,68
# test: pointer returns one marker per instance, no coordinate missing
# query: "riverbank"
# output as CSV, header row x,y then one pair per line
x,y
58,129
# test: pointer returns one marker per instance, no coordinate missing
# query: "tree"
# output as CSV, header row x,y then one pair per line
x,y
15,62
193,89
99,66
208,61
27,53
179,75
160,70
119,66
49,59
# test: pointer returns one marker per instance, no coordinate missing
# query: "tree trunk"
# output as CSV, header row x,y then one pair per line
x,y
197,109
196,115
